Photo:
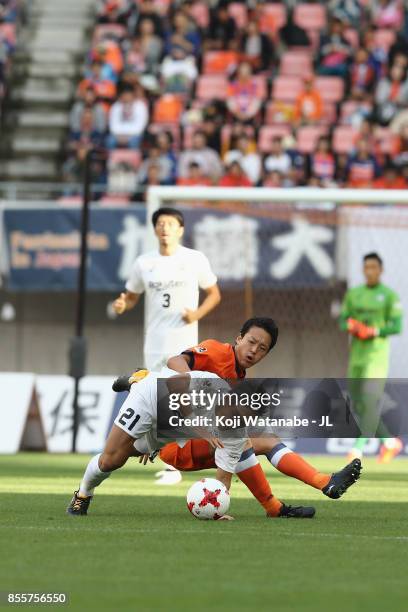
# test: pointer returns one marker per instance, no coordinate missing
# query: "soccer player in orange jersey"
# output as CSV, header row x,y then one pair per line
x,y
257,337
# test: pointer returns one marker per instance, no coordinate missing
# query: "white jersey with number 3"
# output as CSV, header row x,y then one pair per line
x,y
171,284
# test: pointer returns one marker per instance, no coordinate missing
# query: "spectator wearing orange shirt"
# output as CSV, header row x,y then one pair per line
x,y
309,105
235,177
391,179
104,88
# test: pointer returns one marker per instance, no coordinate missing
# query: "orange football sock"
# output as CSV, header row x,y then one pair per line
x,y
254,478
292,464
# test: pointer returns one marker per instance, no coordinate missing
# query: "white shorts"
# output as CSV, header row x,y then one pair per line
x,y
135,416
227,458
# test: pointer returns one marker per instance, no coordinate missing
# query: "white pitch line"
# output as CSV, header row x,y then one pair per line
x,y
294,533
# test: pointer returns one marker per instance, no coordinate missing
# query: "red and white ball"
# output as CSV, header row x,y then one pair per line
x,y
208,499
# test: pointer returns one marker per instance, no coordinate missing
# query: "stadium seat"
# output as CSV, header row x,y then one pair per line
x,y
344,138
310,16
331,88
307,137
262,85
329,113
219,62
125,156
114,199
296,63
268,132
113,29
272,18
239,13
200,12
168,109
73,200
286,88
384,39
212,86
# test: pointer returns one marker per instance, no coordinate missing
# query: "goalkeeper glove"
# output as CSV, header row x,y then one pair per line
x,y
361,330
353,326
365,332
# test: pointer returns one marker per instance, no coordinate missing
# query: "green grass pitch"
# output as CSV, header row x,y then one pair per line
x,y
139,549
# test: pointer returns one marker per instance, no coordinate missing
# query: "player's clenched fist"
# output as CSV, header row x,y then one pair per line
x,y
120,304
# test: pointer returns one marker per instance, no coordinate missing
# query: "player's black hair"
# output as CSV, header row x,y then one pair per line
x,y
166,210
373,255
265,323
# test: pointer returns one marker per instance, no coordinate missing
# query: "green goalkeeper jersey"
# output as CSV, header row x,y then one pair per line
x,y
378,307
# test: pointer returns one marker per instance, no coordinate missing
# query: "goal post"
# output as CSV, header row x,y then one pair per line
x,y
291,254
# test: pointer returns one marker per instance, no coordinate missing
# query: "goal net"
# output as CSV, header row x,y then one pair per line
x,y
291,254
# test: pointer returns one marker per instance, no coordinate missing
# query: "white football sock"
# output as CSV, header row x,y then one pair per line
x,y
93,477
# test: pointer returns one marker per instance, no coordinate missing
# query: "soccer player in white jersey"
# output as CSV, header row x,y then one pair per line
x,y
171,278
135,433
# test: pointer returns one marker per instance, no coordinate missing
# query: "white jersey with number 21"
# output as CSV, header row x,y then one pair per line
x,y
171,284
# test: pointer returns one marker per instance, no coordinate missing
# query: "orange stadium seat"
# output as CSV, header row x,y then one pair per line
x,y
344,138
329,113
168,109
286,88
125,156
307,137
114,199
310,16
331,88
268,132
272,18
239,13
219,62
296,63
262,84
212,86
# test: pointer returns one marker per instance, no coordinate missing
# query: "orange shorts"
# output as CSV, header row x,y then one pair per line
x,y
195,455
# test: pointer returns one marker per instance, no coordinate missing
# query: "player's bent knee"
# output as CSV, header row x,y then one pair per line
x,y
112,461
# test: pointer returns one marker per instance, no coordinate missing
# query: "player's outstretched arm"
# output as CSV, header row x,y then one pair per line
x,y
126,301
179,363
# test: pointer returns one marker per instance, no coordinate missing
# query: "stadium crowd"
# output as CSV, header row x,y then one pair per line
x,y
254,93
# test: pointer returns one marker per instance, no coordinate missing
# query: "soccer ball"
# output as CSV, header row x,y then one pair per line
x,y
208,499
